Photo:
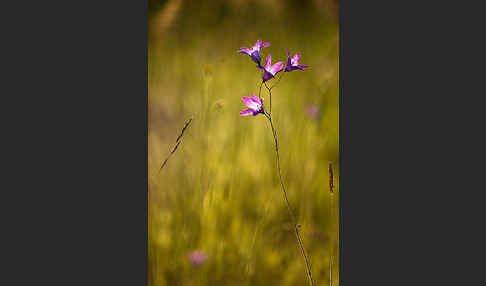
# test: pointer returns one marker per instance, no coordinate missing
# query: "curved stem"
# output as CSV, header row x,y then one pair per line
x,y
259,92
270,95
292,216
332,243
331,189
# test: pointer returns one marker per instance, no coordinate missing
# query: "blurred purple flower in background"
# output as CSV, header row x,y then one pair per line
x,y
269,70
254,52
197,257
313,111
293,63
254,104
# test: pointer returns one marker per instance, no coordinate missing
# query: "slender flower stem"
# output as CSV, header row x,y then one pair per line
x,y
270,90
270,95
259,92
331,189
292,216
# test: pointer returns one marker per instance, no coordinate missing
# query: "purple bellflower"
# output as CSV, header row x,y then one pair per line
x,y
293,63
197,257
313,111
269,70
254,52
254,104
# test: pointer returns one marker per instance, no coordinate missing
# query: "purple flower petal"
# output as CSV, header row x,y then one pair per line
x,y
264,45
268,65
276,68
293,63
255,56
260,45
256,99
246,112
255,106
256,112
267,76
250,103
244,51
271,71
295,59
254,52
289,63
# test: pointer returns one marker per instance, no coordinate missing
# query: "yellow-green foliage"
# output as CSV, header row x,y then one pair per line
x,y
219,192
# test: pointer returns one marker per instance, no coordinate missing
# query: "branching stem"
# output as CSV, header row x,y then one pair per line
x,y
281,76
296,226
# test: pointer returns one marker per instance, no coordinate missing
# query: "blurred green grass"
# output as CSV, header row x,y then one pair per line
x,y
219,193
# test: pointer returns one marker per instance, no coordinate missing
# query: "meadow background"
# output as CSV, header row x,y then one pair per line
x,y
219,193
